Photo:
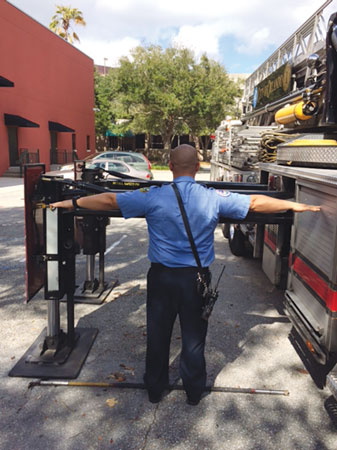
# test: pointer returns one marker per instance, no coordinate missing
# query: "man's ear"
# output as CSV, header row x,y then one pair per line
x,y
170,166
197,166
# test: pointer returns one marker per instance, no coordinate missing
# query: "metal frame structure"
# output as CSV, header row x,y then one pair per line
x,y
55,353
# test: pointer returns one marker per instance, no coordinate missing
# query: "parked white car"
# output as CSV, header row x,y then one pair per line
x,y
133,159
121,167
67,171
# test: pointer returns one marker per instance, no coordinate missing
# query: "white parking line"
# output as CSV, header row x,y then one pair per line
x,y
115,244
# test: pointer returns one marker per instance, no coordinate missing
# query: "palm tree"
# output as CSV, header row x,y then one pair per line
x,y
60,22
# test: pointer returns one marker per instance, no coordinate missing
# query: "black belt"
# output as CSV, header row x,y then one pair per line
x,y
159,266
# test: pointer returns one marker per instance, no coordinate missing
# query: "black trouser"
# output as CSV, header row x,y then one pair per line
x,y
172,292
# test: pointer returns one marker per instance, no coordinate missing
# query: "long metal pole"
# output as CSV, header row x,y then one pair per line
x,y
170,387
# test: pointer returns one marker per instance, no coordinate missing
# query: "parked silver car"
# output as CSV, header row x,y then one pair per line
x,y
121,167
133,159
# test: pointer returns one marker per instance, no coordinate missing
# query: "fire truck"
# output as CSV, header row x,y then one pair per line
x,y
290,106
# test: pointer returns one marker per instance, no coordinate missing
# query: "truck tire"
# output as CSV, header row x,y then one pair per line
x,y
225,230
237,241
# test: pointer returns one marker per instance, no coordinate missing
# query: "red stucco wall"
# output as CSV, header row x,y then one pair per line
x,y
53,82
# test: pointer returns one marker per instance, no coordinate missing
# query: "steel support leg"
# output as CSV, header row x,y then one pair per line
x,y
53,312
89,284
101,283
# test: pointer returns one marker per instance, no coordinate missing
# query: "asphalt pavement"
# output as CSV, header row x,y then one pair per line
x,y
248,346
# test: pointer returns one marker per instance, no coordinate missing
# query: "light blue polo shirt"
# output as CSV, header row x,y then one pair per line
x,y
168,240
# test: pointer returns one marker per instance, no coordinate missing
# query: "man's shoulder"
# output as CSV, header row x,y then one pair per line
x,y
162,188
154,192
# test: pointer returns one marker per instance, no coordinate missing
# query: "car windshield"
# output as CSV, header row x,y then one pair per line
x,y
96,165
117,167
126,157
138,158
109,165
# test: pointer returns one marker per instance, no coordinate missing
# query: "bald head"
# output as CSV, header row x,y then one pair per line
x,y
184,161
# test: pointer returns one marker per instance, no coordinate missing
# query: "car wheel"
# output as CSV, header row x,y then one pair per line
x,y
237,241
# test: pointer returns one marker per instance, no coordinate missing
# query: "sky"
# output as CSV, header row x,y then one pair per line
x,y
240,34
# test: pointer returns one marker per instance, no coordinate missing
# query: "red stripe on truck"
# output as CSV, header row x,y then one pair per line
x,y
270,240
316,283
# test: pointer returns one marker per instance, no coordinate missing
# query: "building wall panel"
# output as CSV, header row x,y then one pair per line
x,y
53,82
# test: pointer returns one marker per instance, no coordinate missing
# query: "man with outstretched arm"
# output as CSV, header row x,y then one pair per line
x,y
172,277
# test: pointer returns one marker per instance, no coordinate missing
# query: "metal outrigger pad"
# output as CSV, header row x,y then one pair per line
x,y
67,362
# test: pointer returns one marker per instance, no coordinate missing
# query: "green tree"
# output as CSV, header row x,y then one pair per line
x,y
105,93
61,22
151,84
165,92
211,96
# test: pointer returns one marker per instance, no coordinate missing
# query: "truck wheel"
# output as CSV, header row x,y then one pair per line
x,y
225,230
236,240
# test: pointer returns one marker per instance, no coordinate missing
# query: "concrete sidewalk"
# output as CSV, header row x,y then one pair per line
x,y
10,181
11,192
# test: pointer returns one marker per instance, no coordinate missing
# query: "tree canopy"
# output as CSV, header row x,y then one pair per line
x,y
105,94
62,19
166,92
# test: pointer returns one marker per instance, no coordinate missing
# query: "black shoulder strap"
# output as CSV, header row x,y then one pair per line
x,y
187,225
